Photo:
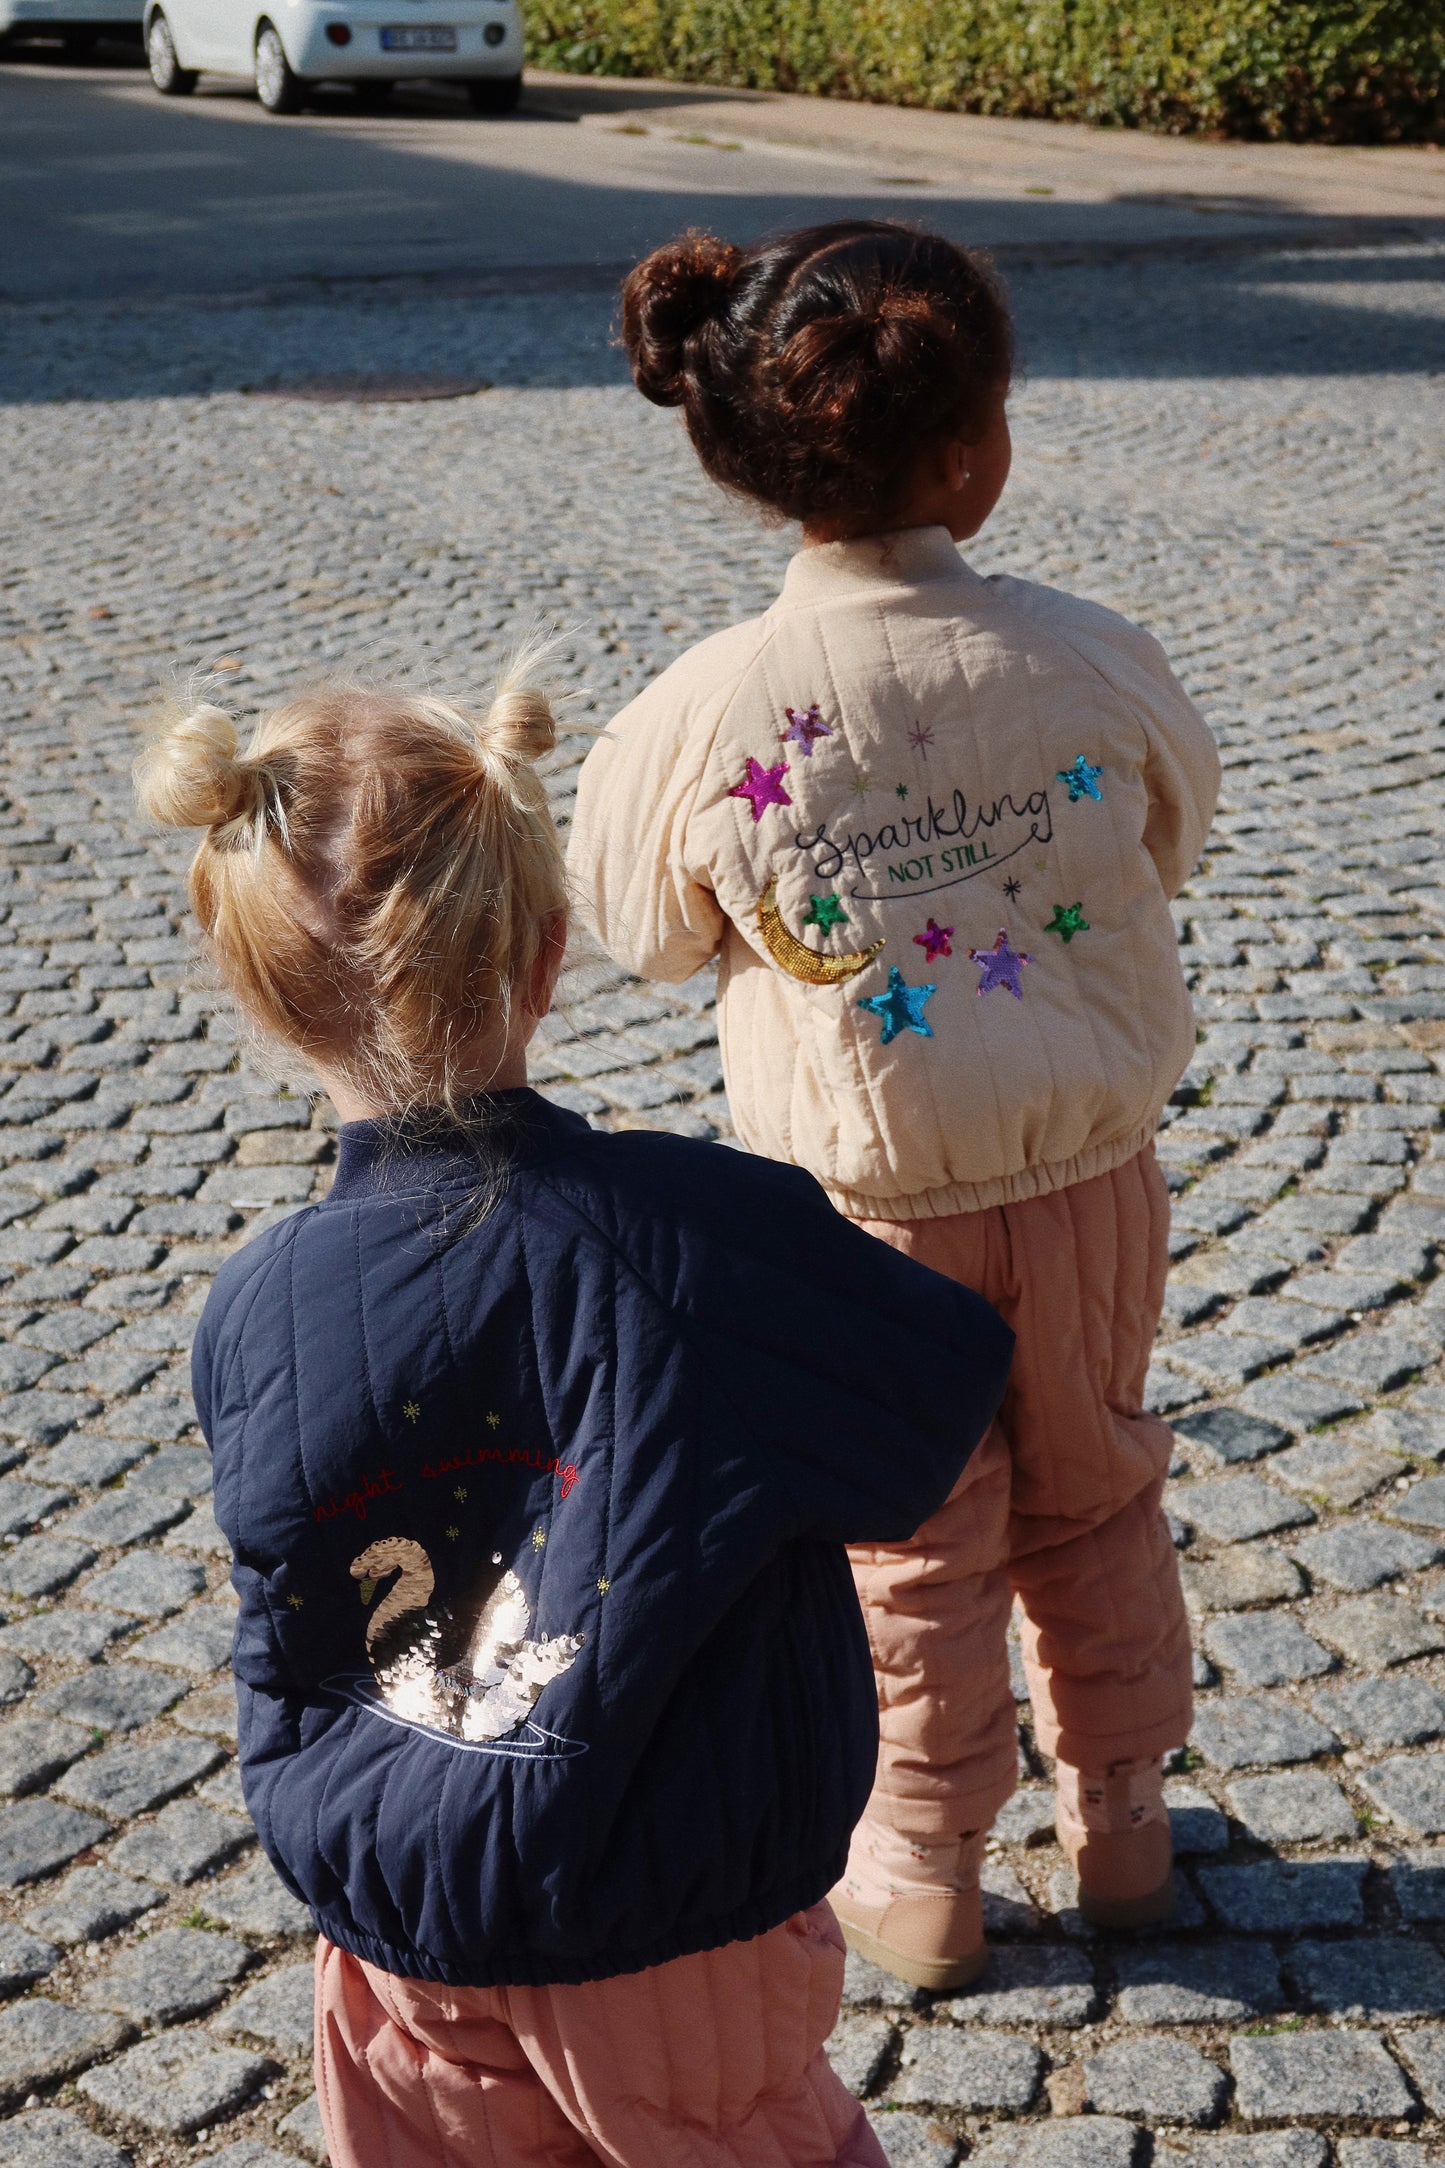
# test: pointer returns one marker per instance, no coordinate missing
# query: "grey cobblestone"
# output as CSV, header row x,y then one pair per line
x,y
1349,2076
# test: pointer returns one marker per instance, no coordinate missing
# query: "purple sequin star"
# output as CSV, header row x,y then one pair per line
x,y
805,727
1000,966
762,786
934,940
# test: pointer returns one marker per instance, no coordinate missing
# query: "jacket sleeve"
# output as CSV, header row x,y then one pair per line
x,y
864,1378
1181,772
639,883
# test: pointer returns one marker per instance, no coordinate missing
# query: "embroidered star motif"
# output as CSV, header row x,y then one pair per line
x,y
603,1585
900,790
1082,780
860,785
460,1494
1068,919
824,912
1001,966
539,1537
762,786
1012,888
934,940
296,1602
492,1421
901,1008
411,1411
452,1533
920,739
805,727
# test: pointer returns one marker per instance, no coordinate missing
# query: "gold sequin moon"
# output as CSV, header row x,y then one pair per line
x,y
796,958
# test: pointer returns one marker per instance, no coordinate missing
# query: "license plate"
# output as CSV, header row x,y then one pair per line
x,y
419,38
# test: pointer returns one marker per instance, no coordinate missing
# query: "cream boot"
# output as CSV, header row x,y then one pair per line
x,y
1115,1829
913,1905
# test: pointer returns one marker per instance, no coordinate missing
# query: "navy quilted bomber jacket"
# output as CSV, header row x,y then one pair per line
x,y
549,1661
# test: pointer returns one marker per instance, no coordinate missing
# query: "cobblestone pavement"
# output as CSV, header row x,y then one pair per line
x,y
1284,532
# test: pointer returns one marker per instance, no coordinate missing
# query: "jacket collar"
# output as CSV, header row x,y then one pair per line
x,y
416,1154
912,557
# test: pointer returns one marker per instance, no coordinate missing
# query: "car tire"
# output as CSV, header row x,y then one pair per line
x,y
169,77
495,93
277,87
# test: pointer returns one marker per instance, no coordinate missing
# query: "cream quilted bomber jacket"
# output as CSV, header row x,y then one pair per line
x,y
931,824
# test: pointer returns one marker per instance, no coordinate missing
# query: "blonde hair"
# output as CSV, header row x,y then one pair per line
x,y
378,874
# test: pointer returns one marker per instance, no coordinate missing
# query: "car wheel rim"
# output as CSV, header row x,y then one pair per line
x,y
270,67
162,56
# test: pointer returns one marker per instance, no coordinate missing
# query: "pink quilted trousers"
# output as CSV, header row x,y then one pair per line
x,y
713,2061
1061,1507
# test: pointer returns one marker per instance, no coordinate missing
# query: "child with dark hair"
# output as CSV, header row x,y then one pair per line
x,y
930,823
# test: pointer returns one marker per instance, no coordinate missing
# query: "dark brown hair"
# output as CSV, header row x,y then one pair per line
x,y
814,370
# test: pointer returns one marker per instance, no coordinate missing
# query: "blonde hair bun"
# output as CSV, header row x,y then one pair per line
x,y
520,723
189,776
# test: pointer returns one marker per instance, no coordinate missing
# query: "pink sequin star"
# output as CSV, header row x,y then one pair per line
x,y
934,940
762,786
1000,966
805,727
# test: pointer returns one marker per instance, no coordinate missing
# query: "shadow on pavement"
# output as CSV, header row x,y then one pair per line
x,y
196,245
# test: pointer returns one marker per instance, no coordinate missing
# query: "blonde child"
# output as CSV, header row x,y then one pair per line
x,y
930,823
537,1462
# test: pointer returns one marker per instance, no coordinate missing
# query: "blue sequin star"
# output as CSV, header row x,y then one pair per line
x,y
901,1008
1083,781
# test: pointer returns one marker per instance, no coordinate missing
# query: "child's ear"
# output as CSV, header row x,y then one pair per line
x,y
956,468
542,984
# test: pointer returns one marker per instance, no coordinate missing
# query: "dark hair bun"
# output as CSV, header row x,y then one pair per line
x,y
668,301
814,370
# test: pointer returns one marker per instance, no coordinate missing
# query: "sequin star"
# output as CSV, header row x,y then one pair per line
x,y
1068,919
412,1411
492,1421
920,739
539,1537
1001,966
603,1585
860,785
1082,780
453,1533
296,1602
1012,888
460,1494
824,912
763,786
934,940
805,727
900,790
901,1008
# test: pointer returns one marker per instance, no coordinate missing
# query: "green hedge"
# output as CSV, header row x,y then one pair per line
x,y
1354,70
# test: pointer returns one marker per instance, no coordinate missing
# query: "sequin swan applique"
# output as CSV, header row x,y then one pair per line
x,y
472,1670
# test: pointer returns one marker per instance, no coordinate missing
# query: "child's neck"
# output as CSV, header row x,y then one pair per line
x,y
509,1075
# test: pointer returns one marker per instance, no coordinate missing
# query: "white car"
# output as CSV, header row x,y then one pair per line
x,y
284,46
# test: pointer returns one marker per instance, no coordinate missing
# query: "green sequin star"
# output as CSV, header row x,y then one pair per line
x,y
824,912
900,790
1068,919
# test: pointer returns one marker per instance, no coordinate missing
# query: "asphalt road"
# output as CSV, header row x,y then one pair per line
x,y
108,192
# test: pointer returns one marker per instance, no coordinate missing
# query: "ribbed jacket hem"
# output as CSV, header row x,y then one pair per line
x,y
525,1968
1038,1181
